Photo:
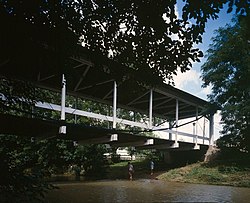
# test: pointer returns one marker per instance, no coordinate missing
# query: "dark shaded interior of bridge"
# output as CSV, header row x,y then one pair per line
x,y
90,76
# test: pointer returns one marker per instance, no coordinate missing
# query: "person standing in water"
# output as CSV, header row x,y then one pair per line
x,y
130,171
152,166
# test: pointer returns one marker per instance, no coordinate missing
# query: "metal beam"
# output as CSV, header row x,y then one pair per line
x,y
83,61
90,86
182,106
133,102
135,143
90,114
178,97
81,79
44,78
104,139
155,106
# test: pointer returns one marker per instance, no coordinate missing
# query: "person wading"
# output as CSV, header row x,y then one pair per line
x,y
152,166
130,171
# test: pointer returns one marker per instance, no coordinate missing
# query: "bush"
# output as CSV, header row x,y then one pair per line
x,y
204,175
21,174
115,158
228,169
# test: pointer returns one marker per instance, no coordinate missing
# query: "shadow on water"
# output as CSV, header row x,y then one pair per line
x,y
65,178
144,190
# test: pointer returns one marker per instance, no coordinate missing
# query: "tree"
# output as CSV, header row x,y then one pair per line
x,y
227,69
91,158
146,35
22,170
42,34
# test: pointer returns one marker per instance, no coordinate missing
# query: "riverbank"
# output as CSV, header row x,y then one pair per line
x,y
215,173
210,173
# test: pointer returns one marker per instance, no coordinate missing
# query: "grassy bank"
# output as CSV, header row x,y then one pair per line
x,y
210,173
216,173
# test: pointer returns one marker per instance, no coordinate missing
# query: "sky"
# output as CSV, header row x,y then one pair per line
x,y
190,81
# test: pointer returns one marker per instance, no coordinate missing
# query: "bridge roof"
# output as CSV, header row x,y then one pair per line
x,y
90,76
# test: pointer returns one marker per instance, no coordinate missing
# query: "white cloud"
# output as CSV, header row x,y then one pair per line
x,y
182,79
207,90
191,82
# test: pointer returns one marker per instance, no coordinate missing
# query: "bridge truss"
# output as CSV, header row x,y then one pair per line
x,y
108,84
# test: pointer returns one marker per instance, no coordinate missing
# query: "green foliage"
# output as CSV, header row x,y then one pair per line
x,y
91,158
154,155
16,94
195,174
25,163
216,173
135,32
228,169
21,177
55,155
41,35
202,174
227,69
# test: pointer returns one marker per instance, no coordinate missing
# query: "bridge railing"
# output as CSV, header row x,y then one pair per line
x,y
181,136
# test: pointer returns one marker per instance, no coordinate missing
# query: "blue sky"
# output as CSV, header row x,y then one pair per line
x,y
191,81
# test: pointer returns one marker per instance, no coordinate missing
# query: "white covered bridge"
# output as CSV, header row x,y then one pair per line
x,y
90,77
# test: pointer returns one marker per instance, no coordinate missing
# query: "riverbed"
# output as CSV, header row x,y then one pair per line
x,y
144,190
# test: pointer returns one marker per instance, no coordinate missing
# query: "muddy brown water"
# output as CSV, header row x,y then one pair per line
x,y
145,190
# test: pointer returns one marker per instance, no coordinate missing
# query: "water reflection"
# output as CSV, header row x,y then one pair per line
x,y
145,190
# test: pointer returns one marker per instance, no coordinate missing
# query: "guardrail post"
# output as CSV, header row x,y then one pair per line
x,y
194,132
150,109
114,105
62,129
170,128
196,123
176,144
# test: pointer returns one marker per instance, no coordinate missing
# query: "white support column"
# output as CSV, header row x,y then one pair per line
x,y
196,146
194,132
204,130
176,144
76,105
196,123
114,104
150,109
62,129
170,123
211,129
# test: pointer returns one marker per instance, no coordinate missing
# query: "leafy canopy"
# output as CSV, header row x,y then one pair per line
x,y
227,69
147,35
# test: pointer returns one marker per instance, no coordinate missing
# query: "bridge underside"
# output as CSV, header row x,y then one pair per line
x,y
43,129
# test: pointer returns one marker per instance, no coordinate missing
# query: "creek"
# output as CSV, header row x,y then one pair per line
x,y
144,190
